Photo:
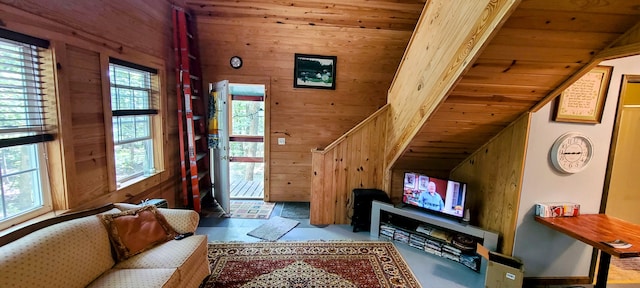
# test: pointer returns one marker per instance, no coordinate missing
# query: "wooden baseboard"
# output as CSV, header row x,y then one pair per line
x,y
542,281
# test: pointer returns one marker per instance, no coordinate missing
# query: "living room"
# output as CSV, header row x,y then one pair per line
x,y
369,42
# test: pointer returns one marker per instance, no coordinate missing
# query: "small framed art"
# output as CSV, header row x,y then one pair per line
x,y
583,101
314,71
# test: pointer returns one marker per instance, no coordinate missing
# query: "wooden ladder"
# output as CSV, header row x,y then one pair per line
x,y
192,112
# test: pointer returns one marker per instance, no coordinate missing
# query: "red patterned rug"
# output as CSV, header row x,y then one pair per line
x,y
308,264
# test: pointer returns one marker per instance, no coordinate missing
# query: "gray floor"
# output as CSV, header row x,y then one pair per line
x,y
431,271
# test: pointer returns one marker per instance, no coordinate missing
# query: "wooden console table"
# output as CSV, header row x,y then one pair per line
x,y
594,229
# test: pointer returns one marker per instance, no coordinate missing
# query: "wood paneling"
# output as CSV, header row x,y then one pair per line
x,y
353,161
363,14
439,52
135,24
85,89
494,177
258,32
454,89
81,33
542,48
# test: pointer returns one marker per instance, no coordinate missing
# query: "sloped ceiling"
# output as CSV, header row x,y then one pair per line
x,y
538,48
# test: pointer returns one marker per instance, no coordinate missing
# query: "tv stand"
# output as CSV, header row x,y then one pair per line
x,y
488,239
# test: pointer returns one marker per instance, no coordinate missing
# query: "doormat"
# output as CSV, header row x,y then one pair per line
x,y
295,210
366,264
251,209
273,229
623,271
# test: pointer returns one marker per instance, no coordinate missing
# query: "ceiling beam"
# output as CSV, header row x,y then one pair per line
x,y
449,36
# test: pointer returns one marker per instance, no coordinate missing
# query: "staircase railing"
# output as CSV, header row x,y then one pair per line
x,y
355,160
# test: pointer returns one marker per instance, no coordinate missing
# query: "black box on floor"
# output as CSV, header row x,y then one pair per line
x,y
362,198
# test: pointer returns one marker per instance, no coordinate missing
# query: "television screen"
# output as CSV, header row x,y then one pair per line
x,y
433,194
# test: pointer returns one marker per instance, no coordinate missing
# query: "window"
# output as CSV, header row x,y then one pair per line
x,y
133,102
24,187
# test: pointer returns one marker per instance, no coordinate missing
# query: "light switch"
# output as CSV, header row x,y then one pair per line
x,y
281,141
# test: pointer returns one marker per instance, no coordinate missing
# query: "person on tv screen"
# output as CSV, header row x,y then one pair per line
x,y
431,199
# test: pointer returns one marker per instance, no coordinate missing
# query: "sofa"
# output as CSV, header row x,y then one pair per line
x,y
77,250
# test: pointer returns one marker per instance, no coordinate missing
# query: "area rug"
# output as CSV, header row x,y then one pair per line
x,y
623,271
251,209
365,264
295,210
273,229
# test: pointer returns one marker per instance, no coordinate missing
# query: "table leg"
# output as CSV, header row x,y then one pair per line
x,y
603,270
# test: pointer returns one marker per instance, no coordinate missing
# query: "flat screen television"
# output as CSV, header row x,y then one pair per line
x,y
440,196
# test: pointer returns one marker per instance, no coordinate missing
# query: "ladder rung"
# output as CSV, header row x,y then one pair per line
x,y
196,102
202,175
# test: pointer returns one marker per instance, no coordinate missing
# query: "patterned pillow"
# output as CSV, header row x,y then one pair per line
x,y
136,230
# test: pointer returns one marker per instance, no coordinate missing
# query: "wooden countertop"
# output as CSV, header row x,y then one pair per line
x,y
593,229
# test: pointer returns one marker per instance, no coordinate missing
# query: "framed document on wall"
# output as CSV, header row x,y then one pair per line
x,y
583,101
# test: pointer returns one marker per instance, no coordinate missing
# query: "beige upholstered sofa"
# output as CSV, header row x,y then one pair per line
x,y
78,253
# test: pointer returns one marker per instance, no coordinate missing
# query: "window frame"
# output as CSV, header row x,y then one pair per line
x,y
45,190
45,52
157,124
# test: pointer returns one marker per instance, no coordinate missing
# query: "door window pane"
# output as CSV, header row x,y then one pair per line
x,y
246,149
247,118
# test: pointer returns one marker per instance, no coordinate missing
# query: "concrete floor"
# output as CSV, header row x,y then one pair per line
x,y
431,271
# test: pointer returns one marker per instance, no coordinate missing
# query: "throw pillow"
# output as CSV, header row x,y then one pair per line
x,y
134,231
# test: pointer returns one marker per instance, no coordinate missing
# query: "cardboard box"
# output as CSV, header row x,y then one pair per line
x,y
502,271
557,209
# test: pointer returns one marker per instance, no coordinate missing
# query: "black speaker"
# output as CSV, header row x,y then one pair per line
x,y
362,198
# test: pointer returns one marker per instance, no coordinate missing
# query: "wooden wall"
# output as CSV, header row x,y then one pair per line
x,y
494,180
306,118
83,35
352,161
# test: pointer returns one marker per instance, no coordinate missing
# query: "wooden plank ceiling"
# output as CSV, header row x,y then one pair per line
x,y
542,44
367,14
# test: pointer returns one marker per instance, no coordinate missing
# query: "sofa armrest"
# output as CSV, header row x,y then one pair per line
x,y
181,220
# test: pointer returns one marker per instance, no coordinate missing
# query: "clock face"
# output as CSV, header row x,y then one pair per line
x,y
236,62
571,152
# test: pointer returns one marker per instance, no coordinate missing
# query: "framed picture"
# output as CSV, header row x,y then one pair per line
x,y
583,101
314,71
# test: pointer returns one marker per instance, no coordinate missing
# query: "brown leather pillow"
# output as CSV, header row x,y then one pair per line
x,y
134,231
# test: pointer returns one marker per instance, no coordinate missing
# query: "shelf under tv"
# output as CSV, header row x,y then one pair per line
x,y
488,239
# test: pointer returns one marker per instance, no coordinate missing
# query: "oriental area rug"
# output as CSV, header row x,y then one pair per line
x,y
308,264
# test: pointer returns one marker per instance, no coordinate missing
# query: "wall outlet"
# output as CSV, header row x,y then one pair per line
x,y
281,141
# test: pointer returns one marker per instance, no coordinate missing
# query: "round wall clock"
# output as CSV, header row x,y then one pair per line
x,y
571,152
236,62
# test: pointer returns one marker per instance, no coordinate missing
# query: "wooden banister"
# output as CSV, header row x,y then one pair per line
x,y
354,160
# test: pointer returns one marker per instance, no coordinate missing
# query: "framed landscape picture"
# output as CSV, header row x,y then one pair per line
x,y
314,71
583,101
